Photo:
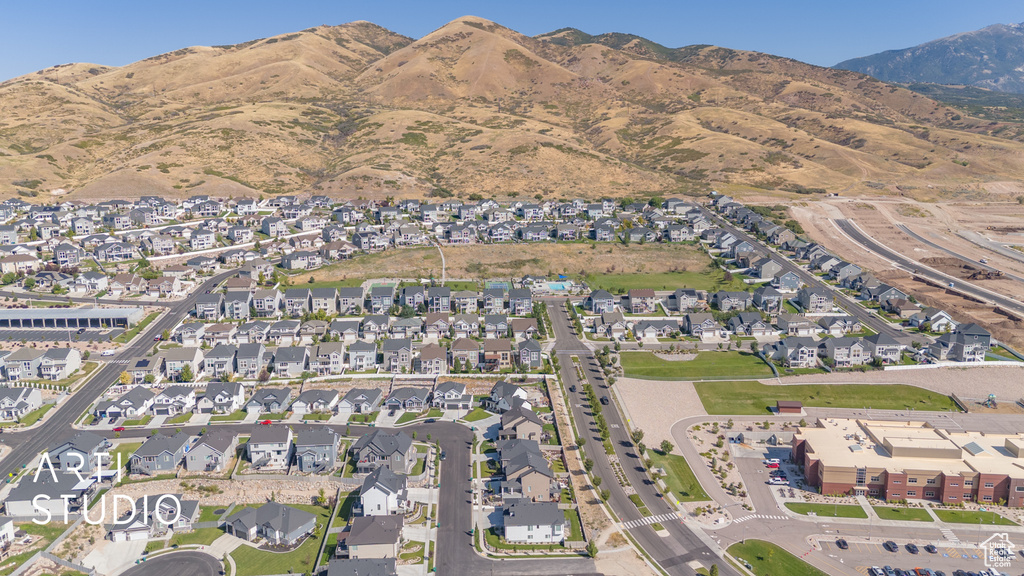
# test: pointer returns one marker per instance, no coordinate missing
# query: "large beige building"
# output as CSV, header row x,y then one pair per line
x,y
911,460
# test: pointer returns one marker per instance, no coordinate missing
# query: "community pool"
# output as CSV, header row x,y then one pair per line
x,y
558,286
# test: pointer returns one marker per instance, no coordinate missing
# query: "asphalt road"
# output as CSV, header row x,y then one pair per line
x,y
956,255
27,445
851,230
865,316
682,546
178,564
82,299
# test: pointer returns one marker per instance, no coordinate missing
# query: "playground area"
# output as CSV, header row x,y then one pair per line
x,y
993,405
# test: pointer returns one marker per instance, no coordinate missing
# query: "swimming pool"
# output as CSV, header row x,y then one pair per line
x,y
558,286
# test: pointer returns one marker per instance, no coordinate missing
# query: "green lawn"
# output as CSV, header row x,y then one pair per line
x,y
363,418
700,280
575,530
679,479
435,413
179,419
706,366
767,559
755,398
125,449
49,534
496,541
317,416
413,551
139,422
34,416
477,414
233,417
828,510
329,548
345,510
208,513
907,514
204,536
253,562
408,417
127,335
973,517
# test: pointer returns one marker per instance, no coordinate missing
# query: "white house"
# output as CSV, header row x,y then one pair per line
x,y
384,492
534,522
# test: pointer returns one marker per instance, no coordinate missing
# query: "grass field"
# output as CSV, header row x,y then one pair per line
x,y
209,513
179,419
233,417
678,477
700,280
363,418
706,366
477,414
767,559
125,449
828,510
253,562
755,398
127,336
34,416
204,536
139,421
906,514
973,517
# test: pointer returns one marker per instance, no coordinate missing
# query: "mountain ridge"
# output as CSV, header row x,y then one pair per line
x,y
991,57
477,108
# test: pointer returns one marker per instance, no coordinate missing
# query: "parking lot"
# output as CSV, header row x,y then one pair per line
x,y
58,335
864,555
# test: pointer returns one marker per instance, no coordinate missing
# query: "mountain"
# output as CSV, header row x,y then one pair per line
x,y
476,108
992,58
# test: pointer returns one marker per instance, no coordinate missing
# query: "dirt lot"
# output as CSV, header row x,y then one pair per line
x,y
514,260
638,395
938,222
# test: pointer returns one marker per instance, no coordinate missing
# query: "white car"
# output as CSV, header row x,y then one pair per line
x,y
108,353
772,461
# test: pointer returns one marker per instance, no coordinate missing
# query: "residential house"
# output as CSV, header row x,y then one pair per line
x,y
174,400
269,401
815,300
433,359
384,493
362,356
407,398
793,352
361,401
526,522
600,301
528,354
275,523
316,449
212,451
397,355
498,354
315,401
380,448
159,454
642,301
504,396
250,360
270,446
371,538
221,398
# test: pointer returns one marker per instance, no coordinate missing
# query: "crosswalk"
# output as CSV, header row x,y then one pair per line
x,y
122,361
949,536
761,516
646,521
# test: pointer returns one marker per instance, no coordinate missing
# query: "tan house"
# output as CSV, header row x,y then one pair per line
x,y
498,354
371,537
521,423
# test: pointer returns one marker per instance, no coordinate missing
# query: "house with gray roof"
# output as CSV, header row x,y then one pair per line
x,y
380,448
371,537
383,492
362,356
276,523
533,522
221,398
397,353
133,404
250,360
269,400
315,400
361,400
362,567
452,396
159,454
271,446
147,518
407,398
504,395
291,361
221,360
81,451
316,449
17,402
212,452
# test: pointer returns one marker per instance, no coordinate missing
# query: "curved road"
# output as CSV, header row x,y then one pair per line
x,y
851,230
178,564
974,263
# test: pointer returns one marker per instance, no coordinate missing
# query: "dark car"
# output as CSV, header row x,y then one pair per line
x,y
842,544
912,548
112,420
80,331
443,454
605,400
931,549
572,388
391,413
891,546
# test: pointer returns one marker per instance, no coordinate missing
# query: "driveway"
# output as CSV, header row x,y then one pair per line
x,y
113,557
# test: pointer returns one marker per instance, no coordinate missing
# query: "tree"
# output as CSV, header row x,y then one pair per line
x,y
592,550
637,435
457,367
666,446
714,570
264,375
321,499
186,374
29,283
125,378
597,481
166,335
641,448
588,464
606,494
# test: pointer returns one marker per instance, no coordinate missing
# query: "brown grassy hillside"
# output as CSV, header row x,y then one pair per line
x,y
473,107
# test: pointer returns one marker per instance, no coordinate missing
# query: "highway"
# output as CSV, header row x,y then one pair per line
x,y
865,316
851,230
956,255
682,546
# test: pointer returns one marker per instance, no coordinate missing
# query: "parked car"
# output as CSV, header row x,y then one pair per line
x,y
572,388
842,544
266,422
912,548
157,338
112,420
80,331
772,465
931,549
119,429
891,546
108,353
443,455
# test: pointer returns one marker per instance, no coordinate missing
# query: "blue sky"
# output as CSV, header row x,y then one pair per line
x,y
36,35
